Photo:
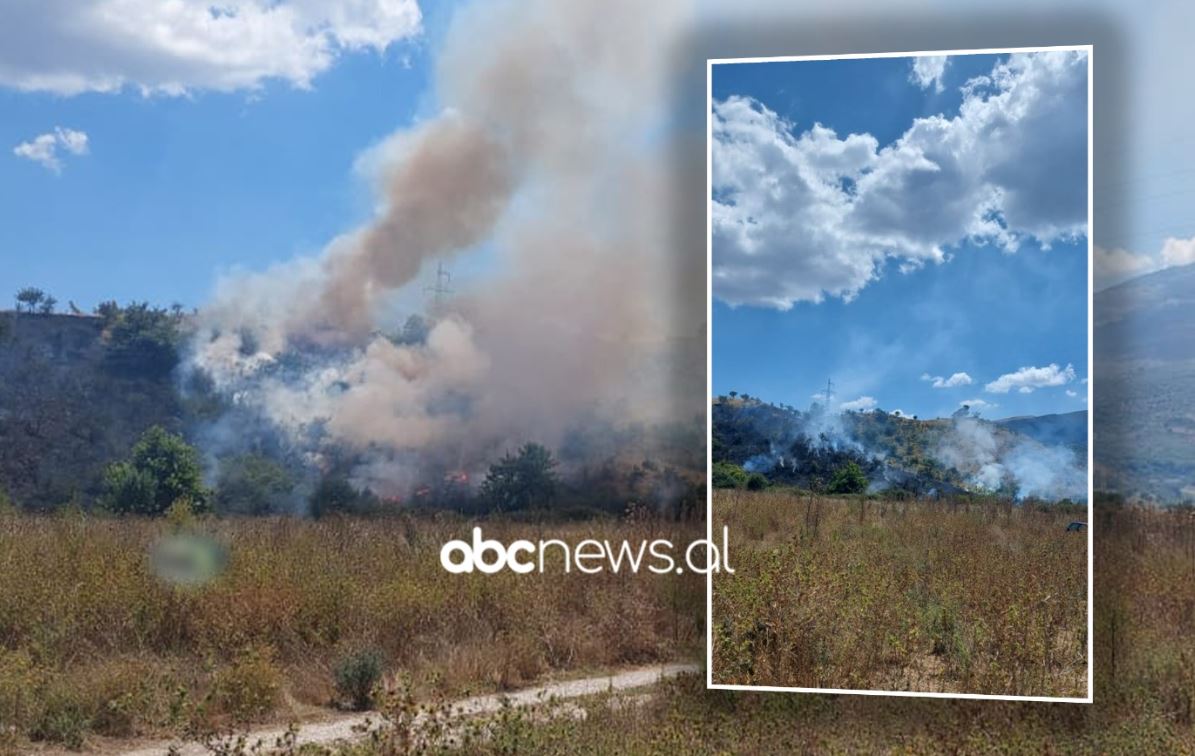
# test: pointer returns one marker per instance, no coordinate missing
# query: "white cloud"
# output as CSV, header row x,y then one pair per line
x,y
1027,379
174,46
927,71
44,148
861,404
978,404
798,217
1178,252
1113,266
957,379
1071,393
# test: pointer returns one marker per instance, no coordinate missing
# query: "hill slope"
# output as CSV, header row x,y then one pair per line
x,y
1041,457
69,404
1145,386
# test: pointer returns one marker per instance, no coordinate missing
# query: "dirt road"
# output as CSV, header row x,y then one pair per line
x,y
342,728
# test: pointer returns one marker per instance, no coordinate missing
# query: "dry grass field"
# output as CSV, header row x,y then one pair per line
x,y
84,663
1144,683
932,596
94,644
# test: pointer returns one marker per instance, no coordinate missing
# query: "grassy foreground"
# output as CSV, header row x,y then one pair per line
x,y
92,642
1144,687
1144,662
842,592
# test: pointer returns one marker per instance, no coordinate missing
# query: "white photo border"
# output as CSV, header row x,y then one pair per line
x,y
709,331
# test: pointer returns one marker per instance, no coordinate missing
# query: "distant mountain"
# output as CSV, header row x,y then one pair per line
x,y
1150,317
1144,389
1065,429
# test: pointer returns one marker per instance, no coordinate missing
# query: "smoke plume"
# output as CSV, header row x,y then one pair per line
x,y
994,462
545,154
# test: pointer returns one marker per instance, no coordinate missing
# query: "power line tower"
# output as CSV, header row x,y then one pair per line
x,y
440,289
829,392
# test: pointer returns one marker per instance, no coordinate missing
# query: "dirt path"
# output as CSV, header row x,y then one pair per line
x,y
342,728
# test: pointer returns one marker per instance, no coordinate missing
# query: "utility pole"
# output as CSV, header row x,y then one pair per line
x,y
440,289
829,392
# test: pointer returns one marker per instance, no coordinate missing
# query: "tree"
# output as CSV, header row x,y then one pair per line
x,y
162,469
142,339
757,482
848,479
47,305
728,475
109,311
31,297
521,481
335,494
253,484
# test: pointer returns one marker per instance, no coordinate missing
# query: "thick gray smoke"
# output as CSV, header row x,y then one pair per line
x,y
547,154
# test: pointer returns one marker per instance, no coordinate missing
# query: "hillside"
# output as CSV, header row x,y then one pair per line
x,y
71,401
1039,456
1145,386
1065,429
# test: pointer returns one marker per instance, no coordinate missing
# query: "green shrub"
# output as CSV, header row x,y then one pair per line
x,y
335,495
248,689
161,470
757,482
848,479
64,719
728,475
141,339
357,674
523,481
253,484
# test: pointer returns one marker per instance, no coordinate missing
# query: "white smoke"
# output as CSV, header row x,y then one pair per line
x,y
545,152
992,460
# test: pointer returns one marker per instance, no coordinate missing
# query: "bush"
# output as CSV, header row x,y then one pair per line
x,y
335,495
141,339
161,470
248,689
521,481
728,475
357,674
757,482
848,479
64,719
253,484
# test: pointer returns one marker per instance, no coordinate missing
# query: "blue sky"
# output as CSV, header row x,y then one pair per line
x,y
175,190
967,304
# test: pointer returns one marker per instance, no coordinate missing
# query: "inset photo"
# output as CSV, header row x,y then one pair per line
x,y
900,358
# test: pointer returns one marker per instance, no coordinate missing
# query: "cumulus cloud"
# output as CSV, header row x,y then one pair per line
x,y
1113,266
799,216
1071,393
927,71
1178,252
44,148
861,404
1027,379
173,46
978,404
957,379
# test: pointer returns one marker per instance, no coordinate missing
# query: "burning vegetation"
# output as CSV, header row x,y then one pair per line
x,y
899,455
